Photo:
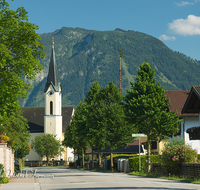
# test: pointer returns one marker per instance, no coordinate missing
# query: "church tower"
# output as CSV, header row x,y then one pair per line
x,y
53,93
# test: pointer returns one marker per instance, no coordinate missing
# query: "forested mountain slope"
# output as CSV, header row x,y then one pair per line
x,y
83,56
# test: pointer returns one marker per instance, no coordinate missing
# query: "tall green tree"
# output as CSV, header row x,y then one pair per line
x,y
146,107
20,54
47,145
76,132
91,104
118,131
105,119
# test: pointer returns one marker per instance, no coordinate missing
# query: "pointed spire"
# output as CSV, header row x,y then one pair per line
x,y
53,74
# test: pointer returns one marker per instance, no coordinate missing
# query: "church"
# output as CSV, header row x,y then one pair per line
x,y
53,118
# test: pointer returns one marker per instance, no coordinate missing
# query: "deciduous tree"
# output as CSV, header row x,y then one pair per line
x,y
147,107
47,145
20,54
105,119
76,132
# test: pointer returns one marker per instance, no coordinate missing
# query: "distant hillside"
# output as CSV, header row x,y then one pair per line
x,y
83,56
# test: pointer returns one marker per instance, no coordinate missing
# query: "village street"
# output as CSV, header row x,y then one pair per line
x,y
73,179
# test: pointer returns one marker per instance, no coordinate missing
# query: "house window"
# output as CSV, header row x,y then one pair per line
x,y
51,108
154,145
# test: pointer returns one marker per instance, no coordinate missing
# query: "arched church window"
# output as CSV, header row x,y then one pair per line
x,y
51,108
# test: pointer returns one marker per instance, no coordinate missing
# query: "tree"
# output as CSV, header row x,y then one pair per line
x,y
76,132
147,108
47,145
105,118
20,54
22,152
118,131
92,129
16,129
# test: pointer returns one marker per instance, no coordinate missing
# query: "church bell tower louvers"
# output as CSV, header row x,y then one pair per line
x,y
53,104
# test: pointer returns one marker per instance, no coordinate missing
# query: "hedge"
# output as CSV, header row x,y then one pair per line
x,y
134,162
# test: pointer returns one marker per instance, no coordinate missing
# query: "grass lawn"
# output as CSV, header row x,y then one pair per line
x,y
185,179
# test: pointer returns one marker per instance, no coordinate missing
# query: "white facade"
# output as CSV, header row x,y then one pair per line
x,y
189,122
32,156
53,115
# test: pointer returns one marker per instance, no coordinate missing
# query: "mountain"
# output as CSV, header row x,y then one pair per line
x,y
84,56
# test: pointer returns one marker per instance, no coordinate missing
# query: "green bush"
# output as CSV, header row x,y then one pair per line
x,y
173,157
3,178
1,169
16,168
22,163
121,156
134,162
198,157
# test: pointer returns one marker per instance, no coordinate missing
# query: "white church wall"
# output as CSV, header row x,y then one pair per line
x,y
187,123
53,125
33,156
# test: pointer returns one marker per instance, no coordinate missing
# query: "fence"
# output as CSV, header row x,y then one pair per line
x,y
41,163
187,170
7,159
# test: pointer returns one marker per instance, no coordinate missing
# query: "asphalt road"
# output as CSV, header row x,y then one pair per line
x,y
73,179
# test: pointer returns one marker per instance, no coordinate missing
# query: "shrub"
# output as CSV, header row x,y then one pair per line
x,y
3,178
22,163
134,162
198,157
1,169
16,168
175,141
121,156
174,156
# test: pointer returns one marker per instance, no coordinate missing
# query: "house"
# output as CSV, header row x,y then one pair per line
x,y
53,118
187,104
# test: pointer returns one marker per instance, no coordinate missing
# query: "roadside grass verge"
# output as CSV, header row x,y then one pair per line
x,y
181,178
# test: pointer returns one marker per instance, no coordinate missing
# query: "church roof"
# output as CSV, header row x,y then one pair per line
x,y
52,78
35,117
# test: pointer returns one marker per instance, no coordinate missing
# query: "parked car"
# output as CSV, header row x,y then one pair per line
x,y
16,162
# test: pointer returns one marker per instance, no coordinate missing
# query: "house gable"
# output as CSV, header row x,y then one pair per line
x,y
192,104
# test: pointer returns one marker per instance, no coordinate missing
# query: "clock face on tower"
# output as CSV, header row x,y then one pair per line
x,y
50,93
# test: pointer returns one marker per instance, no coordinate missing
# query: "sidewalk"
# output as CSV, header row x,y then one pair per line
x,y
21,183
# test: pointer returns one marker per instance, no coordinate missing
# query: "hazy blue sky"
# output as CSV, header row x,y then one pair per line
x,y
176,23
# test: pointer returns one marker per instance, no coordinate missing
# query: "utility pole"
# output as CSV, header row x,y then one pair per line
x,y
121,54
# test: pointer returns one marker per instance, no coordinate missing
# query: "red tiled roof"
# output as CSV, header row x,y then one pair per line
x,y
177,100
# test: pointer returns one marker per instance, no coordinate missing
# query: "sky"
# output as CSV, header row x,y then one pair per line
x,y
175,22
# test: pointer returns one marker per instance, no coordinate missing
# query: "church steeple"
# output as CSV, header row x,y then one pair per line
x,y
53,74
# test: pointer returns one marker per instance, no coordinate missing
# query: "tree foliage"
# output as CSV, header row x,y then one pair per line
x,y
47,145
106,124
147,108
22,152
20,52
16,128
76,132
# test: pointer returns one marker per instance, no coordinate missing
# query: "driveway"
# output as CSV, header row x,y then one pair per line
x,y
73,179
